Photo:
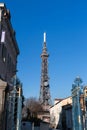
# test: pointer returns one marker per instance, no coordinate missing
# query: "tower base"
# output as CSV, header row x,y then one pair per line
x,y
44,116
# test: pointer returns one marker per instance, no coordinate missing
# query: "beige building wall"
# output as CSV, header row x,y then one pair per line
x,y
56,110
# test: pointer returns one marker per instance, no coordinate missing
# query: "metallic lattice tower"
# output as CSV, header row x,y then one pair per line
x,y
44,98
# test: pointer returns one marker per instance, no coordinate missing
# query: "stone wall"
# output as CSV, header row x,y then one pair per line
x,y
2,104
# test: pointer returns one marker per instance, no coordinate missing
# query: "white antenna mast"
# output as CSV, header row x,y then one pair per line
x,y
44,36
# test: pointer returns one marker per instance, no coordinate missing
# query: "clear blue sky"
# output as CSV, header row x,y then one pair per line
x,y
65,22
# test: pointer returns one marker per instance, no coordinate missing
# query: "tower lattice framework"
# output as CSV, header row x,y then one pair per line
x,y
45,98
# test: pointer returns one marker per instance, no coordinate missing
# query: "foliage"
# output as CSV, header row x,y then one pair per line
x,y
31,109
25,113
33,105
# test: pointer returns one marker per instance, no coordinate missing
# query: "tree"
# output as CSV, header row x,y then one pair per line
x,y
25,113
33,105
30,110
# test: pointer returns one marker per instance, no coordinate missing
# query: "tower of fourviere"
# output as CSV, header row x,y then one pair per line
x,y
45,98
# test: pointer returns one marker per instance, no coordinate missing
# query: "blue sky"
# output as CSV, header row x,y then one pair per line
x,y
65,22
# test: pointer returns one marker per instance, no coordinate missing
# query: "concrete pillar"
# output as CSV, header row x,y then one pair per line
x,y
2,104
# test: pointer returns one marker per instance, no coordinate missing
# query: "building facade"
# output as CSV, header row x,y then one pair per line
x,y
9,52
60,114
8,46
